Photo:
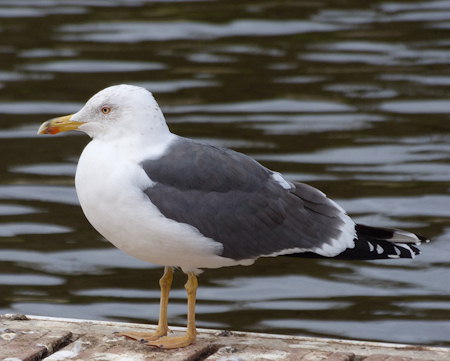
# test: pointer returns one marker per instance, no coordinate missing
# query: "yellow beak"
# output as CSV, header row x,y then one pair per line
x,y
57,125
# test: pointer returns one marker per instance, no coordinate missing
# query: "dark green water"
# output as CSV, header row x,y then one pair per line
x,y
351,97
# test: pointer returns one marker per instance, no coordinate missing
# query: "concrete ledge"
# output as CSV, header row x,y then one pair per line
x,y
34,338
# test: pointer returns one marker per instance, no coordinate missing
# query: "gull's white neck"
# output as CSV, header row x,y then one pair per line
x,y
133,147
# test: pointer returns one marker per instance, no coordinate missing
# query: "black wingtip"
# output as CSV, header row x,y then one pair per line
x,y
423,239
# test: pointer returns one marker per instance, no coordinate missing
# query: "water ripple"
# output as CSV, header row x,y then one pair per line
x,y
419,106
38,107
265,106
21,228
43,193
185,30
93,66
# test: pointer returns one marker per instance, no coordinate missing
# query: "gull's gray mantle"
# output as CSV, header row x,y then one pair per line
x,y
253,212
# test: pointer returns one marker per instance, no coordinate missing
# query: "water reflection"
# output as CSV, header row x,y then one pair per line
x,y
20,228
34,108
93,66
43,193
76,262
435,106
126,32
353,99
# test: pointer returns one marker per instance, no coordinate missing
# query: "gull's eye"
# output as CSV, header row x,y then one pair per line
x,y
105,109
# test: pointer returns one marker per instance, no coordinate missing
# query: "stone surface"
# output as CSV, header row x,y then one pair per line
x,y
32,338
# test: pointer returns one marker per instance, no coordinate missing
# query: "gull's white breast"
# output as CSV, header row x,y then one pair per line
x,y
110,183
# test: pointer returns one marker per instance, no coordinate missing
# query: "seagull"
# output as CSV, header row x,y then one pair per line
x,y
185,204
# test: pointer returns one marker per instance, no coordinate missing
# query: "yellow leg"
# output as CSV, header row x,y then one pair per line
x,y
165,283
169,342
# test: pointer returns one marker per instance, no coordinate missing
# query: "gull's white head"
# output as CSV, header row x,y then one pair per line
x,y
113,112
